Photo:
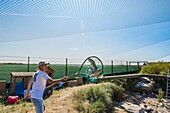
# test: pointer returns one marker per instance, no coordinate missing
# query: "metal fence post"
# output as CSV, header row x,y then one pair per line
x,y
138,66
112,66
28,69
66,65
127,66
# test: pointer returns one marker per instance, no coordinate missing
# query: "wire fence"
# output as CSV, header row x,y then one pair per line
x,y
61,66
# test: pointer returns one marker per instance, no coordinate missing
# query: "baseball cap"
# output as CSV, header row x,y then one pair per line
x,y
43,63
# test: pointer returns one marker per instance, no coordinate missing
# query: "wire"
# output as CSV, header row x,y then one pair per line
x,y
160,22
139,48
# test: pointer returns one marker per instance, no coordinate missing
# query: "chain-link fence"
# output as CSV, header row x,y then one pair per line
x,y
61,66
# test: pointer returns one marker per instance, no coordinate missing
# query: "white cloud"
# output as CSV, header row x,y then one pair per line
x,y
74,49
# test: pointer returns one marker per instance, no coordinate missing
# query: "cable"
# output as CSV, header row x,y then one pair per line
x,y
166,21
154,43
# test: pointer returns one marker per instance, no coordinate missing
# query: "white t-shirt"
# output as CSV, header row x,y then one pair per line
x,y
39,84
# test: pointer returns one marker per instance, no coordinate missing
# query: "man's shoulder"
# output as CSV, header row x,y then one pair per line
x,y
41,72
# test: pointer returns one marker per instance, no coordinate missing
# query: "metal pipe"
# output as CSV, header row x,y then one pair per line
x,y
28,69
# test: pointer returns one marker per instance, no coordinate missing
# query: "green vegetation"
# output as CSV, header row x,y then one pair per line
x,y
156,68
160,95
97,99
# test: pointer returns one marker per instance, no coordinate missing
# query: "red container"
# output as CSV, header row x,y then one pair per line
x,y
12,99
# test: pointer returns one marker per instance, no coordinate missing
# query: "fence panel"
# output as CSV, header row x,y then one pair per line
x,y
61,66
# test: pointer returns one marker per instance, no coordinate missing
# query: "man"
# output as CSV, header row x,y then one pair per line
x,y
38,83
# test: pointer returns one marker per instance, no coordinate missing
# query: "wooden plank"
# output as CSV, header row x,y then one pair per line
x,y
130,76
118,76
2,86
22,74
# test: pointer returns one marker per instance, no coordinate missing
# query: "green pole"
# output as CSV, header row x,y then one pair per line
x,y
28,69
126,66
112,66
66,65
138,66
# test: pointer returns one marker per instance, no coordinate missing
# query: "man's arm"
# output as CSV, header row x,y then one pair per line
x,y
29,87
55,81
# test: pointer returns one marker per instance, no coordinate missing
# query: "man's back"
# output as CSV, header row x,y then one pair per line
x,y
39,84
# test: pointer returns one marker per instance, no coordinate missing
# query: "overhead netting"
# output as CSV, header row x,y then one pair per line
x,y
54,18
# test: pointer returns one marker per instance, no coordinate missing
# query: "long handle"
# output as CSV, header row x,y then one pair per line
x,y
57,82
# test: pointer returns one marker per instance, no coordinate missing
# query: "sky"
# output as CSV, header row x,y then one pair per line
x,y
129,30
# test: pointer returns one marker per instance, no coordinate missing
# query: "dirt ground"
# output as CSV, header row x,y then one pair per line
x,y
60,102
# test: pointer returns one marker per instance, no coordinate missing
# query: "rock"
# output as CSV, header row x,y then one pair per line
x,y
132,107
161,104
145,106
167,106
149,110
141,110
145,85
145,79
155,112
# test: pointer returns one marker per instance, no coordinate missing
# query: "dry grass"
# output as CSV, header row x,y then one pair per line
x,y
23,107
59,102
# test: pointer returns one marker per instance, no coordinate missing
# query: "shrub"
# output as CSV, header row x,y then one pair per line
x,y
156,68
98,98
160,95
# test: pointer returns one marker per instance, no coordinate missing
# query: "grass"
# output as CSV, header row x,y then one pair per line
x,y
97,99
20,107
89,98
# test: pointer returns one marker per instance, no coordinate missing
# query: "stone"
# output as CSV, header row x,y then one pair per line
x,y
132,107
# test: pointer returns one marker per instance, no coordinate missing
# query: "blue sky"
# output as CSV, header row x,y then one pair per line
x,y
109,29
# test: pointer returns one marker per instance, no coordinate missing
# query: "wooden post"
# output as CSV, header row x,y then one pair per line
x,y
25,82
13,85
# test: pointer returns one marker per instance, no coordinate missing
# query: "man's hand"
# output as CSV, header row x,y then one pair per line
x,y
77,73
28,95
65,78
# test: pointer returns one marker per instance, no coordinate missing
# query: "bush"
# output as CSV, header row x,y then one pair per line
x,y
156,68
97,99
160,95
